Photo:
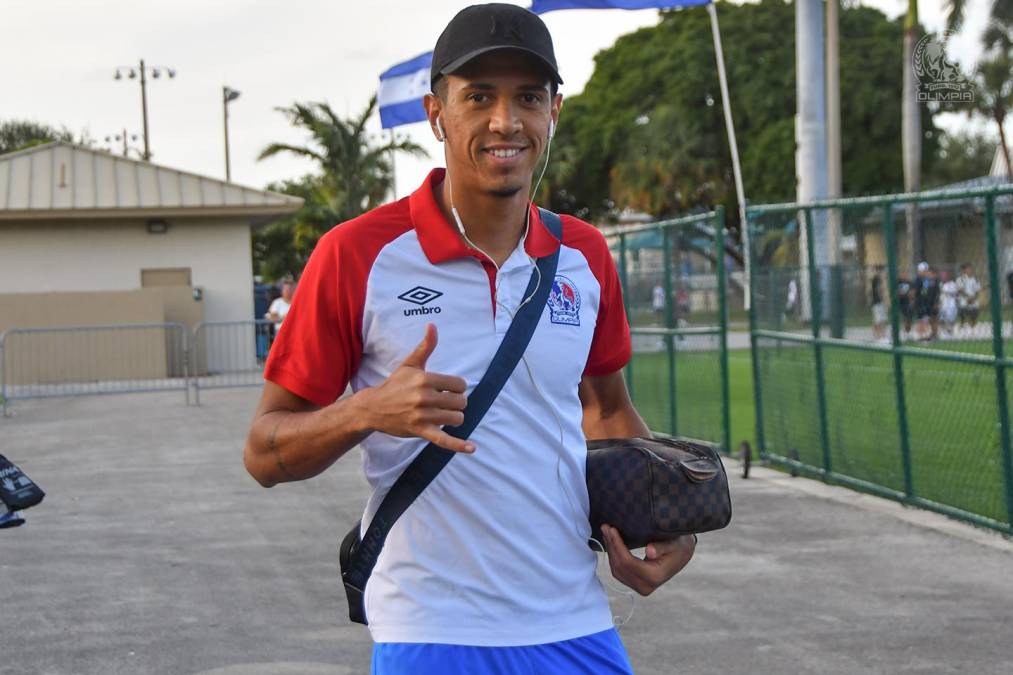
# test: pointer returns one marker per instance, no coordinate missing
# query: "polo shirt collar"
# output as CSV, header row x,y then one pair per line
x,y
441,241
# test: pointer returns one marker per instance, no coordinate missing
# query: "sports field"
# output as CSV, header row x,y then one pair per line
x,y
952,414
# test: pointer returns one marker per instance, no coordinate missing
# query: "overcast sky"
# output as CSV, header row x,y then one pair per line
x,y
57,60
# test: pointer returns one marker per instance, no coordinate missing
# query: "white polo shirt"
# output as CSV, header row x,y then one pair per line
x,y
494,552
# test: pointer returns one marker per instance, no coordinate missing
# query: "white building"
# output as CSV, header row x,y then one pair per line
x,y
87,238
78,219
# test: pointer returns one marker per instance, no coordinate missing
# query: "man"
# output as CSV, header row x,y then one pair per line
x,y
489,569
658,304
948,292
968,289
905,294
791,302
280,305
879,314
927,302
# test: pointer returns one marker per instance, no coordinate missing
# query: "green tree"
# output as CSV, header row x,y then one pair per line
x,y
647,132
962,155
20,134
993,80
355,175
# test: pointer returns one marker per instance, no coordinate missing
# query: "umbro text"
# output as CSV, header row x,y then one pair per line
x,y
419,311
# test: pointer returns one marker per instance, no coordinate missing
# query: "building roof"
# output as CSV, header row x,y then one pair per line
x,y
64,180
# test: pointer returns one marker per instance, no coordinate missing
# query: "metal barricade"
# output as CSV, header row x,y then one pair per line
x,y
230,354
83,360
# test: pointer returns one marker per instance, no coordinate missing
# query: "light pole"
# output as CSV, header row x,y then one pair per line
x,y
124,137
228,94
156,72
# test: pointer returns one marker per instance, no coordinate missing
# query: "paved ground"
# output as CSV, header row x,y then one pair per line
x,y
154,552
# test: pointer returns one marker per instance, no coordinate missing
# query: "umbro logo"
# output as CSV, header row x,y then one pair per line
x,y
421,296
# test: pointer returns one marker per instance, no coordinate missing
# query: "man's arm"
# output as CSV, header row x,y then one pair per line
x,y
293,439
608,410
609,413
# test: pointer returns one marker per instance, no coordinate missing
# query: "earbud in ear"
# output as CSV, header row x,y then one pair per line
x,y
442,135
552,129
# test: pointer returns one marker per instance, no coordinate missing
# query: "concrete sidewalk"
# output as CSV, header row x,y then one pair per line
x,y
154,552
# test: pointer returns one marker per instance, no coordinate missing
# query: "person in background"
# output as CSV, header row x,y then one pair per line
x,y
878,306
791,302
279,306
658,304
685,304
948,302
968,289
927,302
905,295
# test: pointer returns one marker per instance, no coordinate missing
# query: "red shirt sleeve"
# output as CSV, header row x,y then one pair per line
x,y
319,344
610,346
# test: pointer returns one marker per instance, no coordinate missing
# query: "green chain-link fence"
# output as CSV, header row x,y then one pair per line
x,y
674,287
873,373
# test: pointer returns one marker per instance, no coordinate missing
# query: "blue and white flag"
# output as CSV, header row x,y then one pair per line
x,y
401,90
543,6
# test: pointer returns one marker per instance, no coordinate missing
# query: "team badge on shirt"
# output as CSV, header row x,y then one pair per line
x,y
564,302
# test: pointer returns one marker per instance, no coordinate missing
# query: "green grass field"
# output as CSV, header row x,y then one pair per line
x,y
952,410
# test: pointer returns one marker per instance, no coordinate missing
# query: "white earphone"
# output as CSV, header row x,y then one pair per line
x,y
552,129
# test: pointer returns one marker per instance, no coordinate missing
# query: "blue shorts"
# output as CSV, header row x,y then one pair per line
x,y
597,654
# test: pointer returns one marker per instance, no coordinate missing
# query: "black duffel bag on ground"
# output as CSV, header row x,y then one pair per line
x,y
17,491
656,489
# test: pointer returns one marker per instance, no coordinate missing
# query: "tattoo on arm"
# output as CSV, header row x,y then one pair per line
x,y
272,447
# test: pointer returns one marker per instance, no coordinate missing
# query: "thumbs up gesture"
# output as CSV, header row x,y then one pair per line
x,y
414,402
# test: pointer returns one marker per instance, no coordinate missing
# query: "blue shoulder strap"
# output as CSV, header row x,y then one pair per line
x,y
362,556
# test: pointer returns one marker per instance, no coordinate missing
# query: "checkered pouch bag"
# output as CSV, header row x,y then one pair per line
x,y
655,489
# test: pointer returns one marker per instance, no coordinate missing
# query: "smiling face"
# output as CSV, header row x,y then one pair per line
x,y
495,113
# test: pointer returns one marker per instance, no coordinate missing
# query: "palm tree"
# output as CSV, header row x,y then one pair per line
x,y
1000,15
993,81
357,174
992,78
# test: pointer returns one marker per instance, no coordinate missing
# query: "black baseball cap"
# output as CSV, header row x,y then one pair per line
x,y
479,29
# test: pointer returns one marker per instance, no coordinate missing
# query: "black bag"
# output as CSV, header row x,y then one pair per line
x,y
656,489
17,490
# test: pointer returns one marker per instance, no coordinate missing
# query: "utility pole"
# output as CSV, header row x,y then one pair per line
x,y
228,94
911,138
125,138
144,108
811,134
156,72
834,172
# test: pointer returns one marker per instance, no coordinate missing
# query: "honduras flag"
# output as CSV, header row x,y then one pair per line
x,y
401,90
543,6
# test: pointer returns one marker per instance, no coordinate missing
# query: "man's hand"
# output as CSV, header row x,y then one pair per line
x,y
413,402
664,560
